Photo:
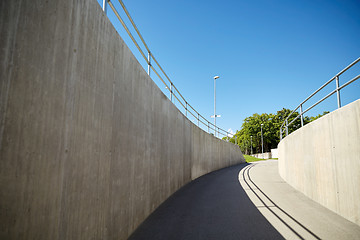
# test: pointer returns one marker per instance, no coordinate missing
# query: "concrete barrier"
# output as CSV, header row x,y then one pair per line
x,y
266,155
274,153
322,160
89,145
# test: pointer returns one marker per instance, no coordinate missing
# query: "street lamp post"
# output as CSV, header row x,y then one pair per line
x,y
251,145
215,116
262,142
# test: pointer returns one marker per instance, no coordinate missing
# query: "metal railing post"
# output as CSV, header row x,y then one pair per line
x,y
338,92
149,63
235,140
104,6
198,119
186,109
171,92
208,127
301,116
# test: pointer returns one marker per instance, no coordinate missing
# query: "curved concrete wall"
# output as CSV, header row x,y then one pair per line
x,y
322,160
89,145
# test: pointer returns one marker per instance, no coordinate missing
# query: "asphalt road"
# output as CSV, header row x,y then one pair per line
x,y
246,201
214,206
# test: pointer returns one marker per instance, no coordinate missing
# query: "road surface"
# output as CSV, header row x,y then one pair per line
x,y
246,201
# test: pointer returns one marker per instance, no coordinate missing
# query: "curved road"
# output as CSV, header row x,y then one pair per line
x,y
246,201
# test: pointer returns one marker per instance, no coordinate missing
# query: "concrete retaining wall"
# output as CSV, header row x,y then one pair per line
x,y
89,145
322,160
274,153
266,155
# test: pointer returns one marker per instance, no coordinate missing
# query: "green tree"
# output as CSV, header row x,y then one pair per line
x,y
318,116
250,132
252,127
271,130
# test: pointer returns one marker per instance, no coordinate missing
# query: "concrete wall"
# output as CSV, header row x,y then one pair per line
x,y
266,155
89,145
274,153
322,160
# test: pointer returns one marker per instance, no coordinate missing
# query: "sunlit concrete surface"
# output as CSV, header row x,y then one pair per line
x,y
290,212
322,160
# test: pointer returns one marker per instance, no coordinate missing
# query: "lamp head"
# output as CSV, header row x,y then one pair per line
x,y
216,77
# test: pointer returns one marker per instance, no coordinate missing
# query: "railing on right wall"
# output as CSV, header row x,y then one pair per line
x,y
285,125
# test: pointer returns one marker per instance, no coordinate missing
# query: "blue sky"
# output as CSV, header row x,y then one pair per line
x,y
268,54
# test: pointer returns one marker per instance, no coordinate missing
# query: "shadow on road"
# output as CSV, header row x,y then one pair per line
x,y
214,206
273,208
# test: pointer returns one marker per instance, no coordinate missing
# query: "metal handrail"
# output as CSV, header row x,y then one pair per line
x,y
286,124
172,89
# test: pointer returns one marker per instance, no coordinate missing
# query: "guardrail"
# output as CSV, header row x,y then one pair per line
x,y
286,125
174,92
